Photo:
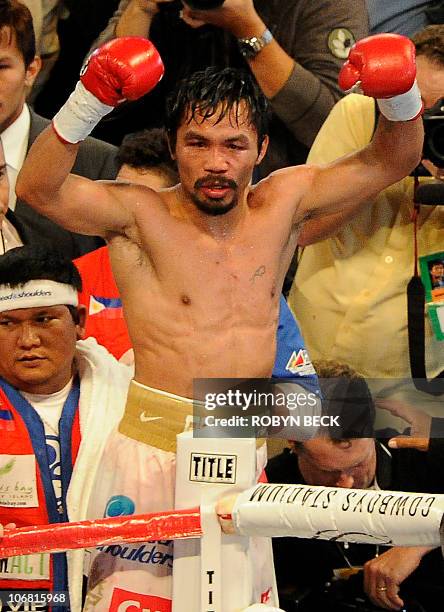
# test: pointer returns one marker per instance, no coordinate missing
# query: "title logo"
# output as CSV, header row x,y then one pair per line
x,y
213,468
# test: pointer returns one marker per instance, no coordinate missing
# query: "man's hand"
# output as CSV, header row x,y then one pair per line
x,y
436,172
419,421
383,575
149,6
122,69
237,16
137,17
383,66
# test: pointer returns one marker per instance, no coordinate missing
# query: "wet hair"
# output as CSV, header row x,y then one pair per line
x,y
148,150
32,262
429,43
16,23
216,93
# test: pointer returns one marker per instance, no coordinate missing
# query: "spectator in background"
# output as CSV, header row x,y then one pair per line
x,y
58,408
12,234
70,26
349,293
35,7
47,41
297,69
405,17
20,126
144,157
341,459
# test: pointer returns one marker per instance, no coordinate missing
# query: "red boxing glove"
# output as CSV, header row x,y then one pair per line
x,y
384,64
123,69
384,67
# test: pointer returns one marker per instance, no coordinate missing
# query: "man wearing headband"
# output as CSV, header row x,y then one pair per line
x,y
56,410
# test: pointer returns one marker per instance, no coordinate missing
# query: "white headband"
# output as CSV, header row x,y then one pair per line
x,y
36,293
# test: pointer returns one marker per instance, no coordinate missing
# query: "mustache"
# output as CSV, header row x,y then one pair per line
x,y
215,181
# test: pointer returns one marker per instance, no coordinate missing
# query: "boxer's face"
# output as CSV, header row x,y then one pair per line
x,y
37,347
216,160
15,79
350,463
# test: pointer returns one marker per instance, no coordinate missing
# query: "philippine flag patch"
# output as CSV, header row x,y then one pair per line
x,y
106,308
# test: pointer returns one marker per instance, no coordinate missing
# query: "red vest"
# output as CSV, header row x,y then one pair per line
x,y
26,496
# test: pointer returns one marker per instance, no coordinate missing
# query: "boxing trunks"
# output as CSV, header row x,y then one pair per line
x,y
137,475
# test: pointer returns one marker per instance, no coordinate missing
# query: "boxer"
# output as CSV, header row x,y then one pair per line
x,y
200,266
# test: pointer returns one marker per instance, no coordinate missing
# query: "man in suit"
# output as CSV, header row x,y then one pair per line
x,y
20,126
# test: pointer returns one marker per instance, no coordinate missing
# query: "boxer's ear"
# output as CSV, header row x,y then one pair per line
x,y
171,146
262,150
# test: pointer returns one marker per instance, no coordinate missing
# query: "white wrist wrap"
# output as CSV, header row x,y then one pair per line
x,y
404,107
79,115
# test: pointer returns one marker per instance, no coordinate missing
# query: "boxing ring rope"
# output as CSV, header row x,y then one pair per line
x,y
273,510
60,537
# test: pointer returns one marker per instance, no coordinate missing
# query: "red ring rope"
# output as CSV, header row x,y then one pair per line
x,y
83,534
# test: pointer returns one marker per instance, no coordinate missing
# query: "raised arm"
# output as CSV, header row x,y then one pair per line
x,y
384,67
125,68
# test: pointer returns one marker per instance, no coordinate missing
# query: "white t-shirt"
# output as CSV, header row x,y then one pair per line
x,y
49,408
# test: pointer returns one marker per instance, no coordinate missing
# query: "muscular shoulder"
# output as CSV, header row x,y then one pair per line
x,y
134,195
282,187
144,206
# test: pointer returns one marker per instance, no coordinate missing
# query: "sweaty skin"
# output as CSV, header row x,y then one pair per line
x,y
201,291
201,298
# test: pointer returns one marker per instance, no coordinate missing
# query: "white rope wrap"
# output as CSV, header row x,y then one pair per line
x,y
79,115
404,107
37,293
329,513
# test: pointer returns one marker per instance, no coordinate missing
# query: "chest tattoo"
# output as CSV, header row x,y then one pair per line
x,y
258,273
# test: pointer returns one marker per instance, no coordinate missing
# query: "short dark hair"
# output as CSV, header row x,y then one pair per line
x,y
16,21
210,91
32,262
346,395
429,43
148,149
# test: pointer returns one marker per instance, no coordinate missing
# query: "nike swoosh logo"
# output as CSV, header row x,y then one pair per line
x,y
146,419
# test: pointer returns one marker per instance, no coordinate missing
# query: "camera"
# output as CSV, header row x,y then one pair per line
x,y
433,119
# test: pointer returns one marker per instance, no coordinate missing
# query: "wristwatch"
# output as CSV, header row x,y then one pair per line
x,y
250,47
